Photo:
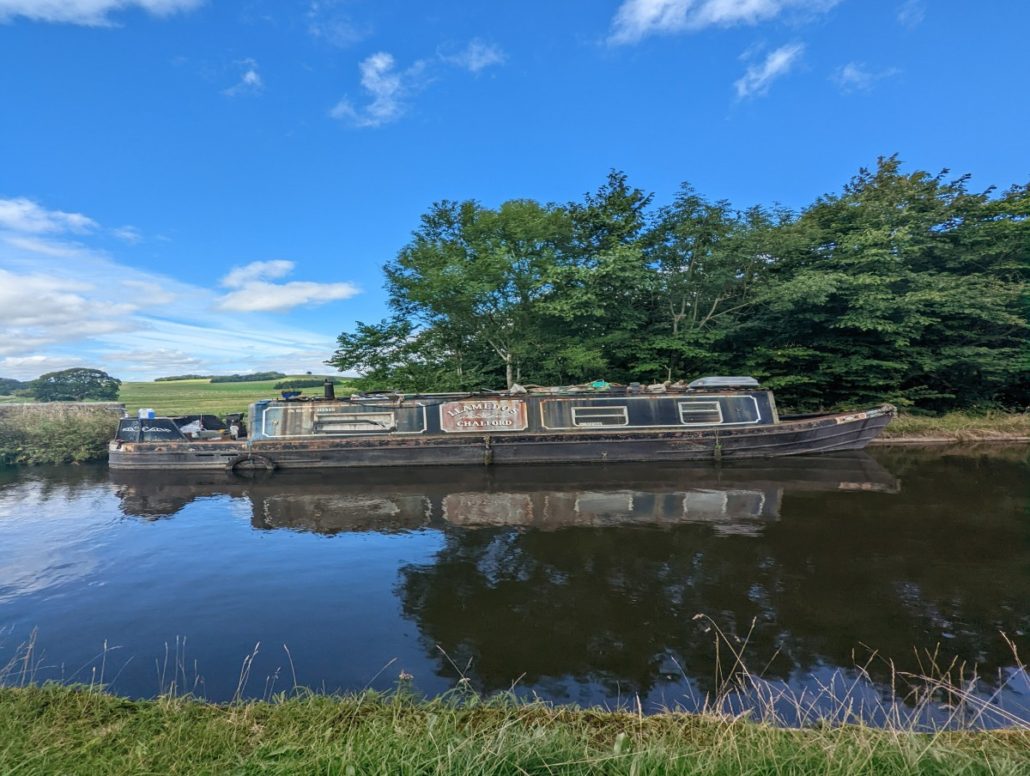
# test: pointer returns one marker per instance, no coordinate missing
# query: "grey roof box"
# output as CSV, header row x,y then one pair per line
x,y
723,382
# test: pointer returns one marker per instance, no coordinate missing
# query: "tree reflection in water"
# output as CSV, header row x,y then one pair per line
x,y
943,561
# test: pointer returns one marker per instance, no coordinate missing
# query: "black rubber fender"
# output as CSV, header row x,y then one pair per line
x,y
250,461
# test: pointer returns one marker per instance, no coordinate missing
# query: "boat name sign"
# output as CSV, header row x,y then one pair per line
x,y
501,415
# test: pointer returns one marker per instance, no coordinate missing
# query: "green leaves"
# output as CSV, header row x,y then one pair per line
x,y
903,287
75,385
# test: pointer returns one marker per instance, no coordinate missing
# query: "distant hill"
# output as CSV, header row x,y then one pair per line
x,y
8,385
253,377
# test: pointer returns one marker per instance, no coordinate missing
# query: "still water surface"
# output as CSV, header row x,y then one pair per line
x,y
575,584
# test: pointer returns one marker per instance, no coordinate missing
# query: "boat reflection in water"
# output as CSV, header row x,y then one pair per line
x,y
735,498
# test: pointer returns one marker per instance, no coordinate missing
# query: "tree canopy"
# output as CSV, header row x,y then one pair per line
x,y
75,385
904,286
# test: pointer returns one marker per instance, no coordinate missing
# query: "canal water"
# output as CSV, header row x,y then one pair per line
x,y
833,578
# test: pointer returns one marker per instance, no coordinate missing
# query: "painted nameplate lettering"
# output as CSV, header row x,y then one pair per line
x,y
483,415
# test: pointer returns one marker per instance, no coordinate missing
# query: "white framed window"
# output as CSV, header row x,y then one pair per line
x,y
700,413
600,416
354,422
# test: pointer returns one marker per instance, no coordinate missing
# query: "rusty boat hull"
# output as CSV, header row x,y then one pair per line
x,y
784,437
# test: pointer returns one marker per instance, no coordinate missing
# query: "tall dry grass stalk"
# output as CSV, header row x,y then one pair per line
x,y
944,695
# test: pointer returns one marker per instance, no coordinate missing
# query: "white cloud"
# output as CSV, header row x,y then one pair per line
x,y
759,77
326,23
91,13
855,76
911,13
252,291
637,19
92,310
477,55
56,248
57,314
163,361
25,215
129,234
31,367
43,309
257,270
250,79
387,88
147,293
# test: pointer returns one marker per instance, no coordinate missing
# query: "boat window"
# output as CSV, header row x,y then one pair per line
x,y
600,416
700,413
351,422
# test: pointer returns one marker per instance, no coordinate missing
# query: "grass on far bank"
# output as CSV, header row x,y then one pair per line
x,y
182,397
961,426
57,729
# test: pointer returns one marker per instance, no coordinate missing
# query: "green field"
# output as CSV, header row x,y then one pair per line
x,y
181,397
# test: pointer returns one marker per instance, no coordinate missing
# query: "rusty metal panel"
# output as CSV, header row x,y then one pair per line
x,y
484,416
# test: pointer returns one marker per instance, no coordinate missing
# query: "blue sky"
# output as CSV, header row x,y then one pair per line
x,y
149,149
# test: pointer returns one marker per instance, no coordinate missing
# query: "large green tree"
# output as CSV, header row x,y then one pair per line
x,y
472,273
904,286
882,292
75,385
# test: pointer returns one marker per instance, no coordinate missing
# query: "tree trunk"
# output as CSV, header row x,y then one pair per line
x,y
508,370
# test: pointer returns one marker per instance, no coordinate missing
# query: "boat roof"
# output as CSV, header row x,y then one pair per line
x,y
714,384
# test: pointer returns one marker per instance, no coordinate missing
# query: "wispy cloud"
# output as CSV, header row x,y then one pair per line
x,y
25,215
856,77
252,290
327,23
93,310
263,270
637,19
477,55
911,13
387,88
90,13
250,81
159,360
42,309
60,249
759,77
128,234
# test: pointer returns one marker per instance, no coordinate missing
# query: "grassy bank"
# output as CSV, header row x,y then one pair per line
x,y
55,729
181,397
960,427
54,434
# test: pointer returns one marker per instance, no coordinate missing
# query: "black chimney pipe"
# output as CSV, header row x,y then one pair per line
x,y
329,389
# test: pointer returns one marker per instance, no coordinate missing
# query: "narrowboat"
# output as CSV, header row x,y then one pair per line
x,y
713,418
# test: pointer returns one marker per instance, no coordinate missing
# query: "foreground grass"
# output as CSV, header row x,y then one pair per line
x,y
182,397
57,729
961,426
